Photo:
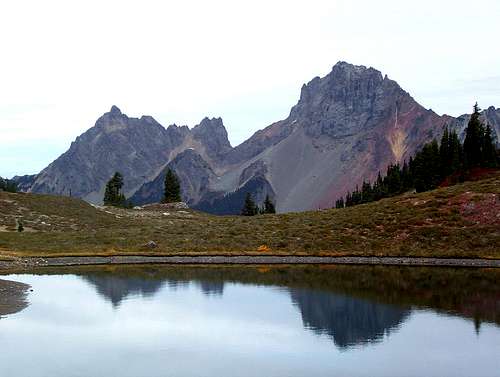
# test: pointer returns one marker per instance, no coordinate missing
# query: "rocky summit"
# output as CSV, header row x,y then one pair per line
x,y
345,128
139,148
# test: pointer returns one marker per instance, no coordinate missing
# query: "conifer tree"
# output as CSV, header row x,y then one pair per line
x,y
474,140
366,192
339,203
249,207
406,178
268,206
426,169
393,179
379,189
455,151
7,185
444,154
356,196
489,150
432,164
172,191
348,200
113,195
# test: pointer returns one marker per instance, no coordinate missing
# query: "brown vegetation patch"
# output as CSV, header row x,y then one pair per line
x,y
457,221
481,209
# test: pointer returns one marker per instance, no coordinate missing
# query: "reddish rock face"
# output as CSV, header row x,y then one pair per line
x,y
406,128
345,128
357,120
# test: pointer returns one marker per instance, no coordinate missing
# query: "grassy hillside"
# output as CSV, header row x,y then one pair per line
x,y
463,220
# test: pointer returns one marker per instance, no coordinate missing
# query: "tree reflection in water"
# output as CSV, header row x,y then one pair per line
x,y
352,305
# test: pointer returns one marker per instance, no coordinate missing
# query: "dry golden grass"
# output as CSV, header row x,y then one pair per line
x,y
458,221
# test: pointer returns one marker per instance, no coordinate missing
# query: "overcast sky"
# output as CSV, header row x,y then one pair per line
x,y
64,63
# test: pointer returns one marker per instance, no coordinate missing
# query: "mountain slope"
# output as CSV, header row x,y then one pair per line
x,y
345,128
194,175
139,148
135,147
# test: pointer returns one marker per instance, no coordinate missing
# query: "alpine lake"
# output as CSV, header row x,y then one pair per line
x,y
286,321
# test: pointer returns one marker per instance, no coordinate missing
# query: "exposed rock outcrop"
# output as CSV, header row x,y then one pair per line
x,y
345,128
139,148
194,173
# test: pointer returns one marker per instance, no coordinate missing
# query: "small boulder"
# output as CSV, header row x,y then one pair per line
x,y
151,245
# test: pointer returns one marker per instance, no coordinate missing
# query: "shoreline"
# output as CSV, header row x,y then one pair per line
x,y
13,297
37,262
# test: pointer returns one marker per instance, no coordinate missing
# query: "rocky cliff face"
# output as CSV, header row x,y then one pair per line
x,y
346,127
195,177
135,147
139,148
213,134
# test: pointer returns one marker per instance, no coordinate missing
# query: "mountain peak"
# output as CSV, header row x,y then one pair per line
x,y
347,126
346,89
343,68
345,65
211,123
115,110
214,135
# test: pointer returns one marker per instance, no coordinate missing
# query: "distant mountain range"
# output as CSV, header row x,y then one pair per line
x,y
346,127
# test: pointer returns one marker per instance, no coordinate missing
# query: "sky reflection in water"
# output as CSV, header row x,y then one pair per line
x,y
116,325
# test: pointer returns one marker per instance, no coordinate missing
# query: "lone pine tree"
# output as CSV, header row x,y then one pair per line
x,y
249,207
268,206
474,139
113,195
172,193
489,153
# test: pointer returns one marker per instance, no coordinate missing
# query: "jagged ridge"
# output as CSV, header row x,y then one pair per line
x,y
345,127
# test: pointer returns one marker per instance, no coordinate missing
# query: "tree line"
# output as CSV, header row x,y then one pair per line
x,y
7,185
250,208
432,164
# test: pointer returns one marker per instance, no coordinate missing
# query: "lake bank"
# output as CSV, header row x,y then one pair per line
x,y
27,264
12,297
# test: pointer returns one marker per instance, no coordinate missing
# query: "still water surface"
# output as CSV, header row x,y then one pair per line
x,y
254,322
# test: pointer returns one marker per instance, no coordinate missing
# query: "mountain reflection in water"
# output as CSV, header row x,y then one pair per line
x,y
117,288
348,320
227,321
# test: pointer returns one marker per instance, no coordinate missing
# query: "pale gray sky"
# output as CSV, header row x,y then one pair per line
x,y
64,63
